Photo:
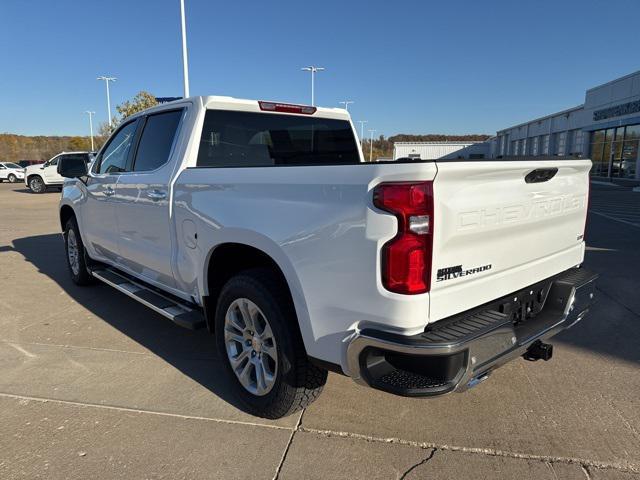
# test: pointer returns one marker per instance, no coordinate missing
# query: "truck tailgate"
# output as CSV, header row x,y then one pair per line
x,y
498,228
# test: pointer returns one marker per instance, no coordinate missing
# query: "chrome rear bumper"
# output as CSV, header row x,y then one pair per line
x,y
456,353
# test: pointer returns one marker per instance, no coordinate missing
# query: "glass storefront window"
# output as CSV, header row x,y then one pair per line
x,y
632,132
545,145
629,163
615,152
597,136
561,143
576,147
600,167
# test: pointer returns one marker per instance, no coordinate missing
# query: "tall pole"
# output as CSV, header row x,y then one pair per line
x,y
185,62
346,104
371,146
362,122
313,69
90,113
106,81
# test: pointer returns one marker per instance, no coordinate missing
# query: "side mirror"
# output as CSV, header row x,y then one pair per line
x,y
72,167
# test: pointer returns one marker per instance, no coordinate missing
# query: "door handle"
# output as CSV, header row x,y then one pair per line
x,y
156,195
109,191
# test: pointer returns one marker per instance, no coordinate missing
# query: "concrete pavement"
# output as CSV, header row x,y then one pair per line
x,y
93,384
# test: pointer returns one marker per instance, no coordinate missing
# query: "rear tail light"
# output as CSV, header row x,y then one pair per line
x,y
406,259
286,108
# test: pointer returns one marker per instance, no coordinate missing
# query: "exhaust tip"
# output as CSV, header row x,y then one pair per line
x,y
539,351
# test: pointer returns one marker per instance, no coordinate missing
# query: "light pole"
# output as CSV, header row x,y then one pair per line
x,y
346,104
185,63
362,122
371,146
313,69
91,114
106,82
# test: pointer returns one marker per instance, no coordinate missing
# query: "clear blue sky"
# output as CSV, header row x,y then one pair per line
x,y
410,66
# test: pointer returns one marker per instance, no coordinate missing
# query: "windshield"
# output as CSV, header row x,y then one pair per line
x,y
11,165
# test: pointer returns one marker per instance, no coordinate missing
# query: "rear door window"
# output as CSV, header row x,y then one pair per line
x,y
156,140
248,139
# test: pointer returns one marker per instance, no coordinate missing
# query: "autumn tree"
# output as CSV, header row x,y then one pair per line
x,y
141,101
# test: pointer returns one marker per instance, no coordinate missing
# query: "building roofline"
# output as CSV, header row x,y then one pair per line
x,y
614,80
546,117
444,142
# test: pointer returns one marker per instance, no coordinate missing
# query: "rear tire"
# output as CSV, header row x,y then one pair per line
x,y
12,178
273,376
76,254
36,184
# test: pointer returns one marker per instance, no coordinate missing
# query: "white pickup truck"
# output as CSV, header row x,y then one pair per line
x,y
40,176
262,222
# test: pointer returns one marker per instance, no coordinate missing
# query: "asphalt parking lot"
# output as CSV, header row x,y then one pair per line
x,y
94,385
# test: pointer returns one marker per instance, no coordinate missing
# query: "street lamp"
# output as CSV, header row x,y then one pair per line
x,y
362,122
371,146
91,114
313,69
106,81
185,63
346,104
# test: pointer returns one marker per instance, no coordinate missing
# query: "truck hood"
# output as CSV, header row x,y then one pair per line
x,y
33,167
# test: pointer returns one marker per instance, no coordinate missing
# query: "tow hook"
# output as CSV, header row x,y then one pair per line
x,y
539,351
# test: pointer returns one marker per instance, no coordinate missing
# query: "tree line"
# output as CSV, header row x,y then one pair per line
x,y
14,148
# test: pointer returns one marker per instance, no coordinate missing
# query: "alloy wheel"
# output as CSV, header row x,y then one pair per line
x,y
251,346
73,252
36,184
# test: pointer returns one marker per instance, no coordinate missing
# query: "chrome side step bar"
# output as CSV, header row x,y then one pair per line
x,y
179,313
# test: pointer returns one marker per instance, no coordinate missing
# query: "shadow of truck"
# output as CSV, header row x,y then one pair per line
x,y
191,352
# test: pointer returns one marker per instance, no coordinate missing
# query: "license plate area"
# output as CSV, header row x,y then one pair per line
x,y
525,304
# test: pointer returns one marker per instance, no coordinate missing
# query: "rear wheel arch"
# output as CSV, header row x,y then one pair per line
x,y
229,259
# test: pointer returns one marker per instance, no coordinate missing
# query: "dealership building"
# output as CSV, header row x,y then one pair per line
x,y
606,128
428,150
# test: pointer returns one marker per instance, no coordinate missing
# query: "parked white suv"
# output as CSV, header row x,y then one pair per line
x,y
11,172
261,221
40,176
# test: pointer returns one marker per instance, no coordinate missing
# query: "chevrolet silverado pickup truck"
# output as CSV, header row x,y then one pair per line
x,y
262,222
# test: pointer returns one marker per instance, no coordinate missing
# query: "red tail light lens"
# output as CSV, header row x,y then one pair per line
x,y
406,259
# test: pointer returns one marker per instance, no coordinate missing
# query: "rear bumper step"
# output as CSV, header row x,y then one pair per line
x,y
455,354
180,313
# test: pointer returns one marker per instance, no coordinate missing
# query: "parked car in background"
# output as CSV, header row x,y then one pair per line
x,y
41,176
261,221
11,172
